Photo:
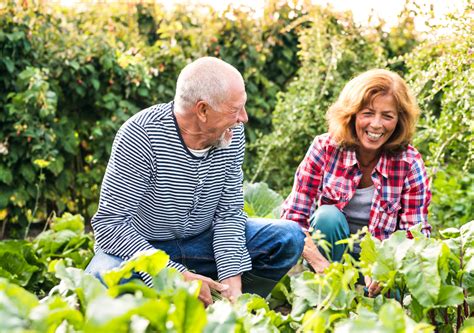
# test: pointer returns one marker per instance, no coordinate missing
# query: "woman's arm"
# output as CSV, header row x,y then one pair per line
x,y
312,255
297,207
416,197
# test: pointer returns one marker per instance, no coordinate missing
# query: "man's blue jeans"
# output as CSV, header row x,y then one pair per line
x,y
274,247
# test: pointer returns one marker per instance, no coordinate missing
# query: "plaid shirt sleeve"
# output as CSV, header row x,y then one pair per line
x,y
416,197
297,207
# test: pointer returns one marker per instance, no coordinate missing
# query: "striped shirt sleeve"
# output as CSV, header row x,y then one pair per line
x,y
126,180
230,250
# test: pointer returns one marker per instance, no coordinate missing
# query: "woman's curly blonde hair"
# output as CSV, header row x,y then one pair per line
x,y
359,93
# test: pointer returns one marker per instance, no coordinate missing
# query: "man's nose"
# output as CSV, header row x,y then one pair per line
x,y
243,117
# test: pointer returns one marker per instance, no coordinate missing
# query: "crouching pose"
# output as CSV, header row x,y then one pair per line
x,y
174,183
364,172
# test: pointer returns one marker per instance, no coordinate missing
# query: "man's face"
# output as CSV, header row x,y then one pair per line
x,y
226,116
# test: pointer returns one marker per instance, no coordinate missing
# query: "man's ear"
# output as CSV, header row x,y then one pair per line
x,y
202,111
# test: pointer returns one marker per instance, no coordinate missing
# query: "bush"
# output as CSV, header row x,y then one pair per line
x,y
333,50
453,198
440,72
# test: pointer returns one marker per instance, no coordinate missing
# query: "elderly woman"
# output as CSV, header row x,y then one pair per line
x,y
363,172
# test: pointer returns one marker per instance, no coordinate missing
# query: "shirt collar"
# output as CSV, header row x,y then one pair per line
x,y
350,159
382,165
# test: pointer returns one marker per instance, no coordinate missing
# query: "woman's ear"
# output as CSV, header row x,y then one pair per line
x,y
202,111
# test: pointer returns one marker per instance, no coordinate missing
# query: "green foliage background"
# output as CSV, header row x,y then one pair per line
x,y
69,79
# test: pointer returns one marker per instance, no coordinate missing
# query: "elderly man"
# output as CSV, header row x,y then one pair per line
x,y
174,182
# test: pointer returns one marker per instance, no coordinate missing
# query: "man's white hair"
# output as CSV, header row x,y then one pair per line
x,y
206,79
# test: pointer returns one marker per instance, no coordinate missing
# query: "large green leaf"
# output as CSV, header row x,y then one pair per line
x,y
450,296
18,261
51,242
68,222
151,262
6,175
389,258
221,318
188,313
320,321
467,250
168,280
390,319
15,306
368,253
52,313
420,268
85,286
250,302
281,293
248,314
309,290
106,314
468,326
261,201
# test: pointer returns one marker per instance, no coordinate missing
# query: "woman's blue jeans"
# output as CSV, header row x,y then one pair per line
x,y
274,247
333,224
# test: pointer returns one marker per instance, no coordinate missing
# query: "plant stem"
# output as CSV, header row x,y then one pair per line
x,y
4,224
459,318
445,316
432,317
30,219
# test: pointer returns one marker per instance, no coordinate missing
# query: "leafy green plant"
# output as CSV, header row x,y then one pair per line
x,y
390,318
19,262
26,263
434,279
431,278
453,198
261,201
440,72
66,239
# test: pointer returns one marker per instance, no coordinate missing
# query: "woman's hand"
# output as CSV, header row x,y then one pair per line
x,y
312,255
206,285
373,286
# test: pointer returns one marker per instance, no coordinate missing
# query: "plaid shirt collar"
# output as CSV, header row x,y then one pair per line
x,y
350,159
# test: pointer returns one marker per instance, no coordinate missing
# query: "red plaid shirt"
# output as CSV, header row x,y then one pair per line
x,y
329,175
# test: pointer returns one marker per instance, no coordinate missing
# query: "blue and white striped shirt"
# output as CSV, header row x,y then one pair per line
x,y
155,189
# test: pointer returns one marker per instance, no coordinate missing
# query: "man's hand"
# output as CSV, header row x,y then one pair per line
x,y
235,288
312,255
206,286
373,286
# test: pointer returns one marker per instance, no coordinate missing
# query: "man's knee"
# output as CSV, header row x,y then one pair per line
x,y
102,262
275,236
292,238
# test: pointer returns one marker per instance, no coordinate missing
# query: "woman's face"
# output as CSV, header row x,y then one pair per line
x,y
375,123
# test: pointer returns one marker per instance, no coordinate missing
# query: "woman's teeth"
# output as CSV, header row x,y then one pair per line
x,y
374,136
